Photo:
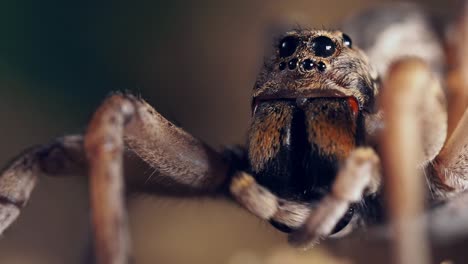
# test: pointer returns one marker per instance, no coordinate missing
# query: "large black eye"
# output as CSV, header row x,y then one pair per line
x,y
323,46
347,41
288,46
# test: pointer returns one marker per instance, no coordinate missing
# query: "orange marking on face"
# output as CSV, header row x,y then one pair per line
x,y
354,105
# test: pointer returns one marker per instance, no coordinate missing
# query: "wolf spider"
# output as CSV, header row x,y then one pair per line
x,y
321,117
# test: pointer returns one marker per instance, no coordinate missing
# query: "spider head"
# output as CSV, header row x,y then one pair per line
x,y
317,64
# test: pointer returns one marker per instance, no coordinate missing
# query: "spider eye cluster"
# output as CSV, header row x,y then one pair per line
x,y
321,47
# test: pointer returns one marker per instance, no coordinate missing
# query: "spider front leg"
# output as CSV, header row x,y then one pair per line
x,y
63,156
266,205
175,154
183,166
416,124
457,67
359,175
450,168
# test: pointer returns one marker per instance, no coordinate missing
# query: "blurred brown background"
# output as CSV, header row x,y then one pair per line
x,y
195,61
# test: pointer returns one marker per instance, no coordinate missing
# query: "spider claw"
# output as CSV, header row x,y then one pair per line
x,y
319,224
304,239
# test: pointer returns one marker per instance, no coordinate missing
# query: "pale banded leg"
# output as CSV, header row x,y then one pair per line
x,y
359,175
168,149
264,204
415,120
457,72
449,170
62,157
182,166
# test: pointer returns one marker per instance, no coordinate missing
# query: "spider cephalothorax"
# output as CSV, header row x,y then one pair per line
x,y
310,103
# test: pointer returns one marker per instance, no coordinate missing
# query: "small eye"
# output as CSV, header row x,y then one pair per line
x,y
292,64
282,66
323,46
321,66
347,41
288,46
308,64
